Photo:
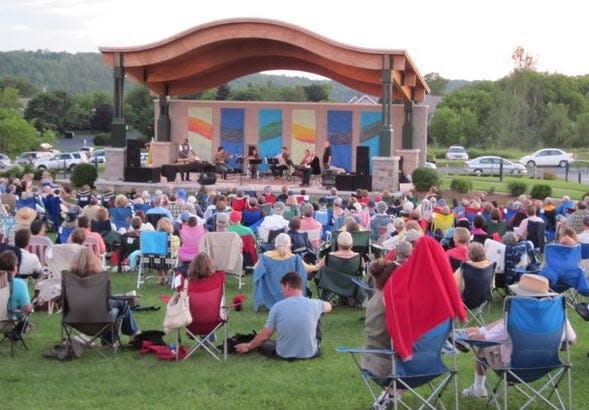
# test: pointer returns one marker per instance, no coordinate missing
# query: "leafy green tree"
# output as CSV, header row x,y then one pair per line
x,y
54,111
223,92
139,112
18,135
437,83
251,93
445,127
317,92
9,98
24,87
101,119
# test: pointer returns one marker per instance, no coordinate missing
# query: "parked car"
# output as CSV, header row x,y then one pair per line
x,y
31,157
430,165
457,152
489,165
65,160
88,151
143,159
98,157
547,157
5,161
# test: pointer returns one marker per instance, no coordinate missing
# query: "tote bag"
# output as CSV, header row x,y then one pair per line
x,y
178,311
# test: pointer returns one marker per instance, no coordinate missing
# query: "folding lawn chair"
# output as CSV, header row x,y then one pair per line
x,y
267,275
86,311
535,327
424,368
206,299
226,249
336,279
477,290
155,254
13,324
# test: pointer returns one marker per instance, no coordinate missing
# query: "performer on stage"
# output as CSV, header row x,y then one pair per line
x,y
305,168
327,155
184,151
221,158
284,162
254,160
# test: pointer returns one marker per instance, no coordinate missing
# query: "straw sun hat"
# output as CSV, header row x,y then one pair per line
x,y
532,285
24,216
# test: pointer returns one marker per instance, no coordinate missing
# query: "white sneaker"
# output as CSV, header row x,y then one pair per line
x,y
477,393
383,401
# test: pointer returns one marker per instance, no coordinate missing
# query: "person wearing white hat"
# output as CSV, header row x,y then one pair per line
x,y
499,356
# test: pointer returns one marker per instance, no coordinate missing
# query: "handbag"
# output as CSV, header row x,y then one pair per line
x,y
178,311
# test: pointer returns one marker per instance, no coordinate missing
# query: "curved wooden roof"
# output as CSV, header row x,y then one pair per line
x,y
218,52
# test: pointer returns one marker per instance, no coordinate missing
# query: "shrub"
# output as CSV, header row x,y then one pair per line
x,y
516,188
541,191
491,190
549,176
14,171
424,178
102,139
84,174
461,184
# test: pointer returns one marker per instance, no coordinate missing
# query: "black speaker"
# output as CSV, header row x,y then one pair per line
x,y
207,178
134,153
362,161
352,182
139,174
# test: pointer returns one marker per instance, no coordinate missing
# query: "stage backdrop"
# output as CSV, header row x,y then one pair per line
x,y
200,131
339,134
232,124
270,131
304,133
370,126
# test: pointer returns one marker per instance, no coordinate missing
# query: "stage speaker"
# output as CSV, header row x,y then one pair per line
x,y
134,153
207,178
139,174
352,182
362,161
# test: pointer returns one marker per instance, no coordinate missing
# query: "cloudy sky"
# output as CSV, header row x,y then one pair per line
x,y
460,39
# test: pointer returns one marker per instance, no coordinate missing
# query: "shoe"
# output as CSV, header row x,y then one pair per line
x,y
474,392
383,401
582,310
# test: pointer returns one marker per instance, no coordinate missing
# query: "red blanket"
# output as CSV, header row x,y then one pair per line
x,y
420,295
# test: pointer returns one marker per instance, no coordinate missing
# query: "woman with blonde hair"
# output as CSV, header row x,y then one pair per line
x,y
164,225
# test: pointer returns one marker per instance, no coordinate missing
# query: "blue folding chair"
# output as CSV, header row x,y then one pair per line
x,y
535,327
155,254
424,368
563,271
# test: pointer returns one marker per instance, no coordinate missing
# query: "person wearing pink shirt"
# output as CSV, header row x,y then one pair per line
x,y
84,222
190,234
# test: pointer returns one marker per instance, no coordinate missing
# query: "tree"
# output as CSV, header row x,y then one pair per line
x,y
18,135
52,111
139,111
317,92
437,83
223,92
522,60
445,127
9,98
24,87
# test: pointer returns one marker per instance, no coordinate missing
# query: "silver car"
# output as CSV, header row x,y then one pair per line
x,y
490,165
457,152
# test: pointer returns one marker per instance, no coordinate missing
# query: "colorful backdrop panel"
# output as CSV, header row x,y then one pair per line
x,y
370,126
200,131
232,130
304,133
339,134
270,131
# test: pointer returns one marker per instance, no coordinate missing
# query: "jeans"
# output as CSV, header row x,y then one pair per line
x,y
120,308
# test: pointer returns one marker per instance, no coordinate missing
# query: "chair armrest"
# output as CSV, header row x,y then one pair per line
x,y
478,342
343,349
360,283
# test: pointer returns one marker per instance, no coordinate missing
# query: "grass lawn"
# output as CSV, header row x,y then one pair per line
x,y
129,380
488,183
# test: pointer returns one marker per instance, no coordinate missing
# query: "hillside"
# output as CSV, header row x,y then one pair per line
x,y
84,73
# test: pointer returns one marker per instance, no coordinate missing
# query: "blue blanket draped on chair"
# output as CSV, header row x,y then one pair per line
x,y
267,275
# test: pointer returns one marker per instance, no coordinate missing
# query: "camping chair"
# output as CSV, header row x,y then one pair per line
x,y
13,324
52,206
155,254
495,252
537,235
336,279
206,299
86,310
26,203
226,249
63,233
535,327
93,244
424,368
561,267
40,250
477,290
129,244
267,275
250,252
269,245
360,242
585,257
121,217
154,218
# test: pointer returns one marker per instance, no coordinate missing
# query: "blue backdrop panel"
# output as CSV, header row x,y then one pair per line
x,y
270,131
339,134
232,130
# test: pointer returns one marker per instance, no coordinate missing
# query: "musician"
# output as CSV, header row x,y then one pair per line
x,y
327,155
221,158
284,162
254,160
304,168
184,151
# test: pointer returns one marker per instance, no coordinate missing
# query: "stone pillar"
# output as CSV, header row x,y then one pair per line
x,y
386,133
420,131
163,152
407,138
118,126
410,159
115,160
385,173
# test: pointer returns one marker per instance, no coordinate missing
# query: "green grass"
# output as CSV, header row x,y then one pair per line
x,y
129,380
559,187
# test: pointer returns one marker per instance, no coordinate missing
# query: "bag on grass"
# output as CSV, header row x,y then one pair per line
x,y
178,311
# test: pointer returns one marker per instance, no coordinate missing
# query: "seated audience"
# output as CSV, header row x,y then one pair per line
x,y
20,302
29,263
191,233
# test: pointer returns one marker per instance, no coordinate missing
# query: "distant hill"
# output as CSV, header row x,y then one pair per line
x,y
83,73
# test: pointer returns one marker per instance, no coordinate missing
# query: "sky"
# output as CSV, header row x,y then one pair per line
x,y
459,39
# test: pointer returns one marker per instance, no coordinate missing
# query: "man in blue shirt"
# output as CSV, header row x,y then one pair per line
x,y
295,319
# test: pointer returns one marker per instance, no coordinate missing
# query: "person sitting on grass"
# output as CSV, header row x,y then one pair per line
x,y
296,319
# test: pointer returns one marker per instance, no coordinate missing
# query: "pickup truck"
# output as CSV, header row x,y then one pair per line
x,y
64,160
